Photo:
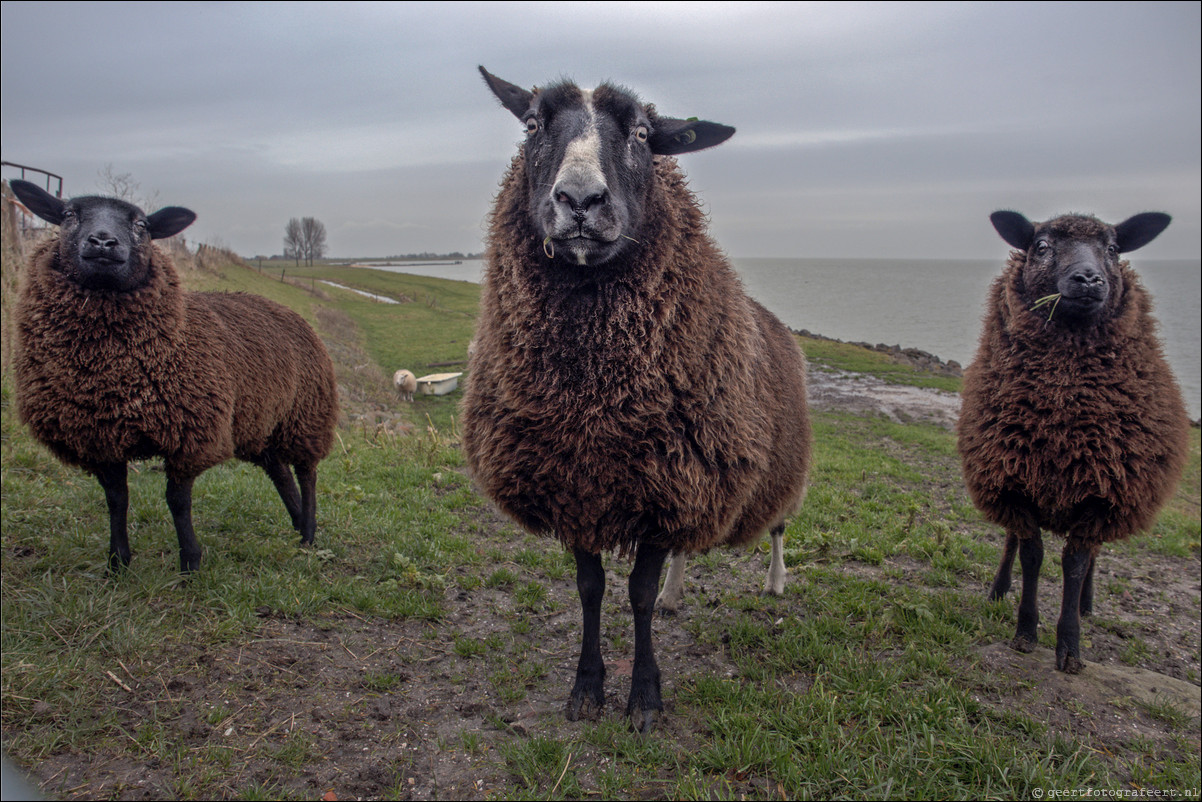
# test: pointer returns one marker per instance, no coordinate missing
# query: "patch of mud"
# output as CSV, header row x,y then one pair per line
x,y
361,708
862,394
1110,701
344,707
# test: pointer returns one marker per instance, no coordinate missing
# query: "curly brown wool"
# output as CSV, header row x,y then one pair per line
x,y
106,376
624,393
1071,420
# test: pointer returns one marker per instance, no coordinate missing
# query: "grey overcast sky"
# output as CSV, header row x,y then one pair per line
x,y
864,129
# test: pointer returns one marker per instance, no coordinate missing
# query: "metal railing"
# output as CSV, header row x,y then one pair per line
x,y
49,176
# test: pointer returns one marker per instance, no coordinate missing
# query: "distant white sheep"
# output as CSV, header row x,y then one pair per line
x,y
405,383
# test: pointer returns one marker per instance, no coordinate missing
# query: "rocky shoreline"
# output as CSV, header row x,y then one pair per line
x,y
922,360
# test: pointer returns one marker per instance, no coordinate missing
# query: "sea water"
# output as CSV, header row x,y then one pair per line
x,y
933,305
937,306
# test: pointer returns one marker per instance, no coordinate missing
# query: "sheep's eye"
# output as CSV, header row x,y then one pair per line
x,y
641,133
1113,250
1042,247
531,126
140,225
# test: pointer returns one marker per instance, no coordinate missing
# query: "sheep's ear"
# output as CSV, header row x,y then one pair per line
x,y
672,136
169,221
39,201
514,98
1136,232
1017,230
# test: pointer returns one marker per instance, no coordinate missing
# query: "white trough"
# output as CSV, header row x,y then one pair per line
x,y
438,383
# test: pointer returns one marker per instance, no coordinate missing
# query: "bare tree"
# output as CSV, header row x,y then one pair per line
x,y
313,236
123,186
294,239
304,238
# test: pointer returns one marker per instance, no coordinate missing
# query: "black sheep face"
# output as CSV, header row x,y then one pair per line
x,y
104,243
1074,260
589,158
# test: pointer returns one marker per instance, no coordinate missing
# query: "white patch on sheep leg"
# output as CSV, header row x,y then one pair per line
x,y
668,600
775,582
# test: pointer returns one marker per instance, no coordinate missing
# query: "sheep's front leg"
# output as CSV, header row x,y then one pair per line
x,y
669,598
588,694
1001,582
1030,556
179,501
1076,560
774,583
307,475
113,478
645,702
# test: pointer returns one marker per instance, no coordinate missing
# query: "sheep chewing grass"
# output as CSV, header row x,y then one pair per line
x,y
1071,420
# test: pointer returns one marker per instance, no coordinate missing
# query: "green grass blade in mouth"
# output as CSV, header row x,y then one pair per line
x,y
1053,300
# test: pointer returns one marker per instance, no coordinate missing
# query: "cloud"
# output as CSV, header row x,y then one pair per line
x,y
902,122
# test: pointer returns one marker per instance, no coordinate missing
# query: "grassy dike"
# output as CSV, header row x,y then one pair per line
x,y
425,647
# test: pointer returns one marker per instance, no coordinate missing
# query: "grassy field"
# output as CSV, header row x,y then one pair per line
x,y
425,647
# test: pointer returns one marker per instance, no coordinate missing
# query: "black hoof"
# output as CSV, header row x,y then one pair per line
x,y
1022,644
643,721
588,692
645,705
1069,663
584,705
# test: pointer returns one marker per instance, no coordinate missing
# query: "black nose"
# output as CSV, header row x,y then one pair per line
x,y
581,196
1087,276
102,240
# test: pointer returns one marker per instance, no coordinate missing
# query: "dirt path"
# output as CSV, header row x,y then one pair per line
x,y
862,394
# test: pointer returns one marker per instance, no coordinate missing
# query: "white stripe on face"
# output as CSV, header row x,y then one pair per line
x,y
582,158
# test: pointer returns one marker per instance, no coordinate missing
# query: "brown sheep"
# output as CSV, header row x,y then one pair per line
x,y
1071,419
624,393
117,363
